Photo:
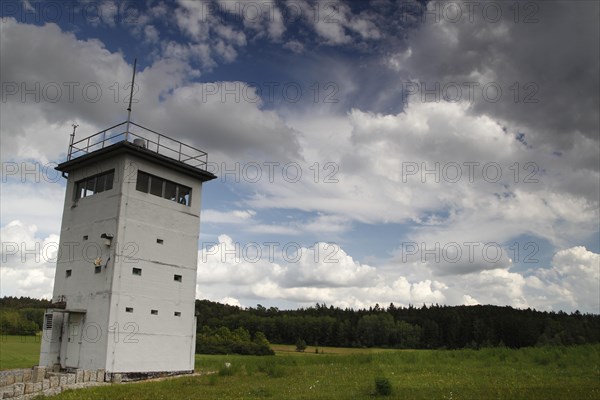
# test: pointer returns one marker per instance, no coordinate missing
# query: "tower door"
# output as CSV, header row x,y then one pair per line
x,y
73,340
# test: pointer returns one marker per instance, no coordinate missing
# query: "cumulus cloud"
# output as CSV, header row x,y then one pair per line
x,y
253,132
74,85
327,265
573,279
243,273
325,274
230,301
28,261
445,170
97,79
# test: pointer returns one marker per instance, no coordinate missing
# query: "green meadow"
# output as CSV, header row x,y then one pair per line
x,y
19,351
333,373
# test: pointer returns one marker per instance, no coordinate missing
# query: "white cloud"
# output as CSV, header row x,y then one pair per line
x,y
238,273
333,21
192,19
151,34
330,275
107,13
482,177
574,279
165,96
231,301
276,26
327,265
469,301
27,5
295,46
327,224
274,229
200,22
28,261
229,262
227,217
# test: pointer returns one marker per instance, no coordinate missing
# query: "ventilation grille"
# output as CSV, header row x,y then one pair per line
x,y
48,321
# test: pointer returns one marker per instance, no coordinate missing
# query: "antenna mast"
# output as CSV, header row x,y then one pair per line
x,y
130,99
71,141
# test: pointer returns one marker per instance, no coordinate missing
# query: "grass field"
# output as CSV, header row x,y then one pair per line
x,y
19,351
534,373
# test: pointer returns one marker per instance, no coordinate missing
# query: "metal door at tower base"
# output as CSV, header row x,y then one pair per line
x,y
73,340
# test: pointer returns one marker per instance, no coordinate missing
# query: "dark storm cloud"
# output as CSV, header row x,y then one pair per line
x,y
553,47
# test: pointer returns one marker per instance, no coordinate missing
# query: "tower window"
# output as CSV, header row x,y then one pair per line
x,y
177,278
68,273
170,191
129,309
94,184
98,269
137,271
154,312
163,188
85,237
184,195
156,186
160,241
143,182
177,314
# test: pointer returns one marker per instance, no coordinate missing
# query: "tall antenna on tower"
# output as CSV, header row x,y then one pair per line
x,y
71,141
130,99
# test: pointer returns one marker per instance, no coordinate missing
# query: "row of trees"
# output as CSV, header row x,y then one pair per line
x,y
407,327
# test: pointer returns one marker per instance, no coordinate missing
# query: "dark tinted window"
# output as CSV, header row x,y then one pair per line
x,y
163,188
156,186
170,190
94,184
143,182
184,195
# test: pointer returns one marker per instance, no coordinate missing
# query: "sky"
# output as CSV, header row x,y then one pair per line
x,y
367,152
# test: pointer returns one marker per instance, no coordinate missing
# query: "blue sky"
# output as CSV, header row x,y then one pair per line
x,y
378,151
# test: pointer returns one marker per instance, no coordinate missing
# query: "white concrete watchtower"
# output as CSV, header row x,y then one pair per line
x,y
125,284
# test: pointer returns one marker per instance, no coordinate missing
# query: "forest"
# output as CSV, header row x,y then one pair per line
x,y
425,327
21,315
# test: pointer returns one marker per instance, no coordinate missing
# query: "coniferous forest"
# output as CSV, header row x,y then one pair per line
x,y
425,327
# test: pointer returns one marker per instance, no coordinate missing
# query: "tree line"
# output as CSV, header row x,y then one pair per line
x,y
425,327
21,315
